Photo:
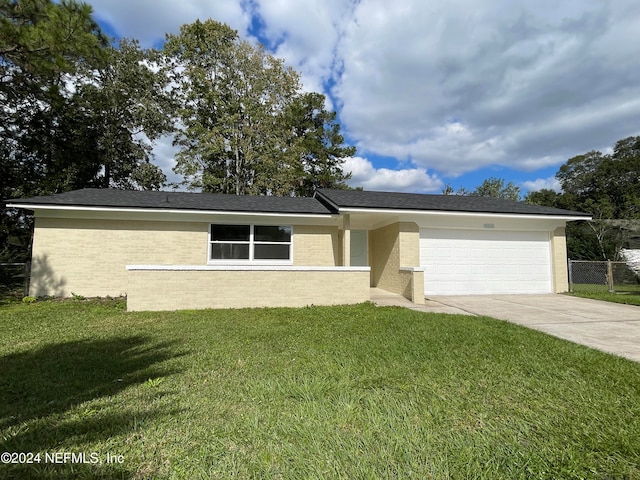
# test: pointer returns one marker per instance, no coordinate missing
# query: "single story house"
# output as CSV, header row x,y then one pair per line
x,y
177,250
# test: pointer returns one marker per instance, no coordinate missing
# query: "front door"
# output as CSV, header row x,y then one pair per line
x,y
359,253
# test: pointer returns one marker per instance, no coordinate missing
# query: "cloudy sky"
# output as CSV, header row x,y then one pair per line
x,y
440,92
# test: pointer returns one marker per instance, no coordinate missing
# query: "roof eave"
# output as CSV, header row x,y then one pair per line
x,y
339,210
94,208
567,217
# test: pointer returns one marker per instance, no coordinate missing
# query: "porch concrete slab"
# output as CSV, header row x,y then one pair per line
x,y
384,298
611,327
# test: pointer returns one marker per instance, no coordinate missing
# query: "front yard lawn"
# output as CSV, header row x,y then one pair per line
x,y
319,392
628,294
626,298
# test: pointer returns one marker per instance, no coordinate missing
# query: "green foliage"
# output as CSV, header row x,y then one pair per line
x,y
124,98
582,244
630,295
544,197
491,187
153,382
42,44
315,147
29,299
319,392
496,188
80,112
449,190
577,176
247,129
76,111
40,40
608,187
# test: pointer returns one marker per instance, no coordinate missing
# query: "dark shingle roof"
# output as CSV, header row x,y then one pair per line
x,y
419,201
92,197
324,202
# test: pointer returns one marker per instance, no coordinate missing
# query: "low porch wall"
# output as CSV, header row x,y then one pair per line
x,y
412,283
158,287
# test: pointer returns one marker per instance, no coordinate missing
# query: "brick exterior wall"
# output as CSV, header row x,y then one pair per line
x,y
189,289
412,285
409,234
315,245
392,247
88,257
385,258
560,274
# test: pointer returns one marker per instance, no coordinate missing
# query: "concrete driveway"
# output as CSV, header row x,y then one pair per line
x,y
611,327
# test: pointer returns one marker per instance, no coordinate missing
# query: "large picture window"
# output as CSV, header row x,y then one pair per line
x,y
250,243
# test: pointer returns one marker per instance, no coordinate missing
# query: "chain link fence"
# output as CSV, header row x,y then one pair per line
x,y
603,276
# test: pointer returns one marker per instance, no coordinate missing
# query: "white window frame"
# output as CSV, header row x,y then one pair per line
x,y
251,242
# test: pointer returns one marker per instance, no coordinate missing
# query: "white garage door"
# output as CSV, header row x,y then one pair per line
x,y
467,262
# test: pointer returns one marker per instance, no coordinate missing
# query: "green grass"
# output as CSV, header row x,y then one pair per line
x,y
627,294
354,392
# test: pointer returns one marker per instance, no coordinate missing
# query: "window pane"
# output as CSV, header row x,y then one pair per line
x,y
230,233
229,251
270,252
263,233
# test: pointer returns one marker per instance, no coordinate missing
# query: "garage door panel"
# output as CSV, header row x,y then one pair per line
x,y
485,262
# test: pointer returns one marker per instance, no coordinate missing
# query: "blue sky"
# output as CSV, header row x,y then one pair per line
x,y
434,92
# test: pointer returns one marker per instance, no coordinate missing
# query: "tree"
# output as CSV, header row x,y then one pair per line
x,y
496,188
316,150
127,107
449,190
611,179
245,128
75,111
544,197
579,174
230,96
608,187
623,176
42,44
491,187
41,40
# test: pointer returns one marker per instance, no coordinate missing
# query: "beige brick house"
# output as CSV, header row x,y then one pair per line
x,y
176,250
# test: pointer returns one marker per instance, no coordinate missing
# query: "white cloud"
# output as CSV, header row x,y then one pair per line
x,y
550,183
531,84
164,155
365,175
450,86
306,34
149,20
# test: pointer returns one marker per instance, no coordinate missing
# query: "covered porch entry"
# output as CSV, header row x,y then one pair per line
x,y
390,247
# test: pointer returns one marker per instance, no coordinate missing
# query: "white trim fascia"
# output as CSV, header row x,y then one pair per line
x,y
462,214
72,208
167,210
259,268
412,269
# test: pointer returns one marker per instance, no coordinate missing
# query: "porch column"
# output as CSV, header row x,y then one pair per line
x,y
346,240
